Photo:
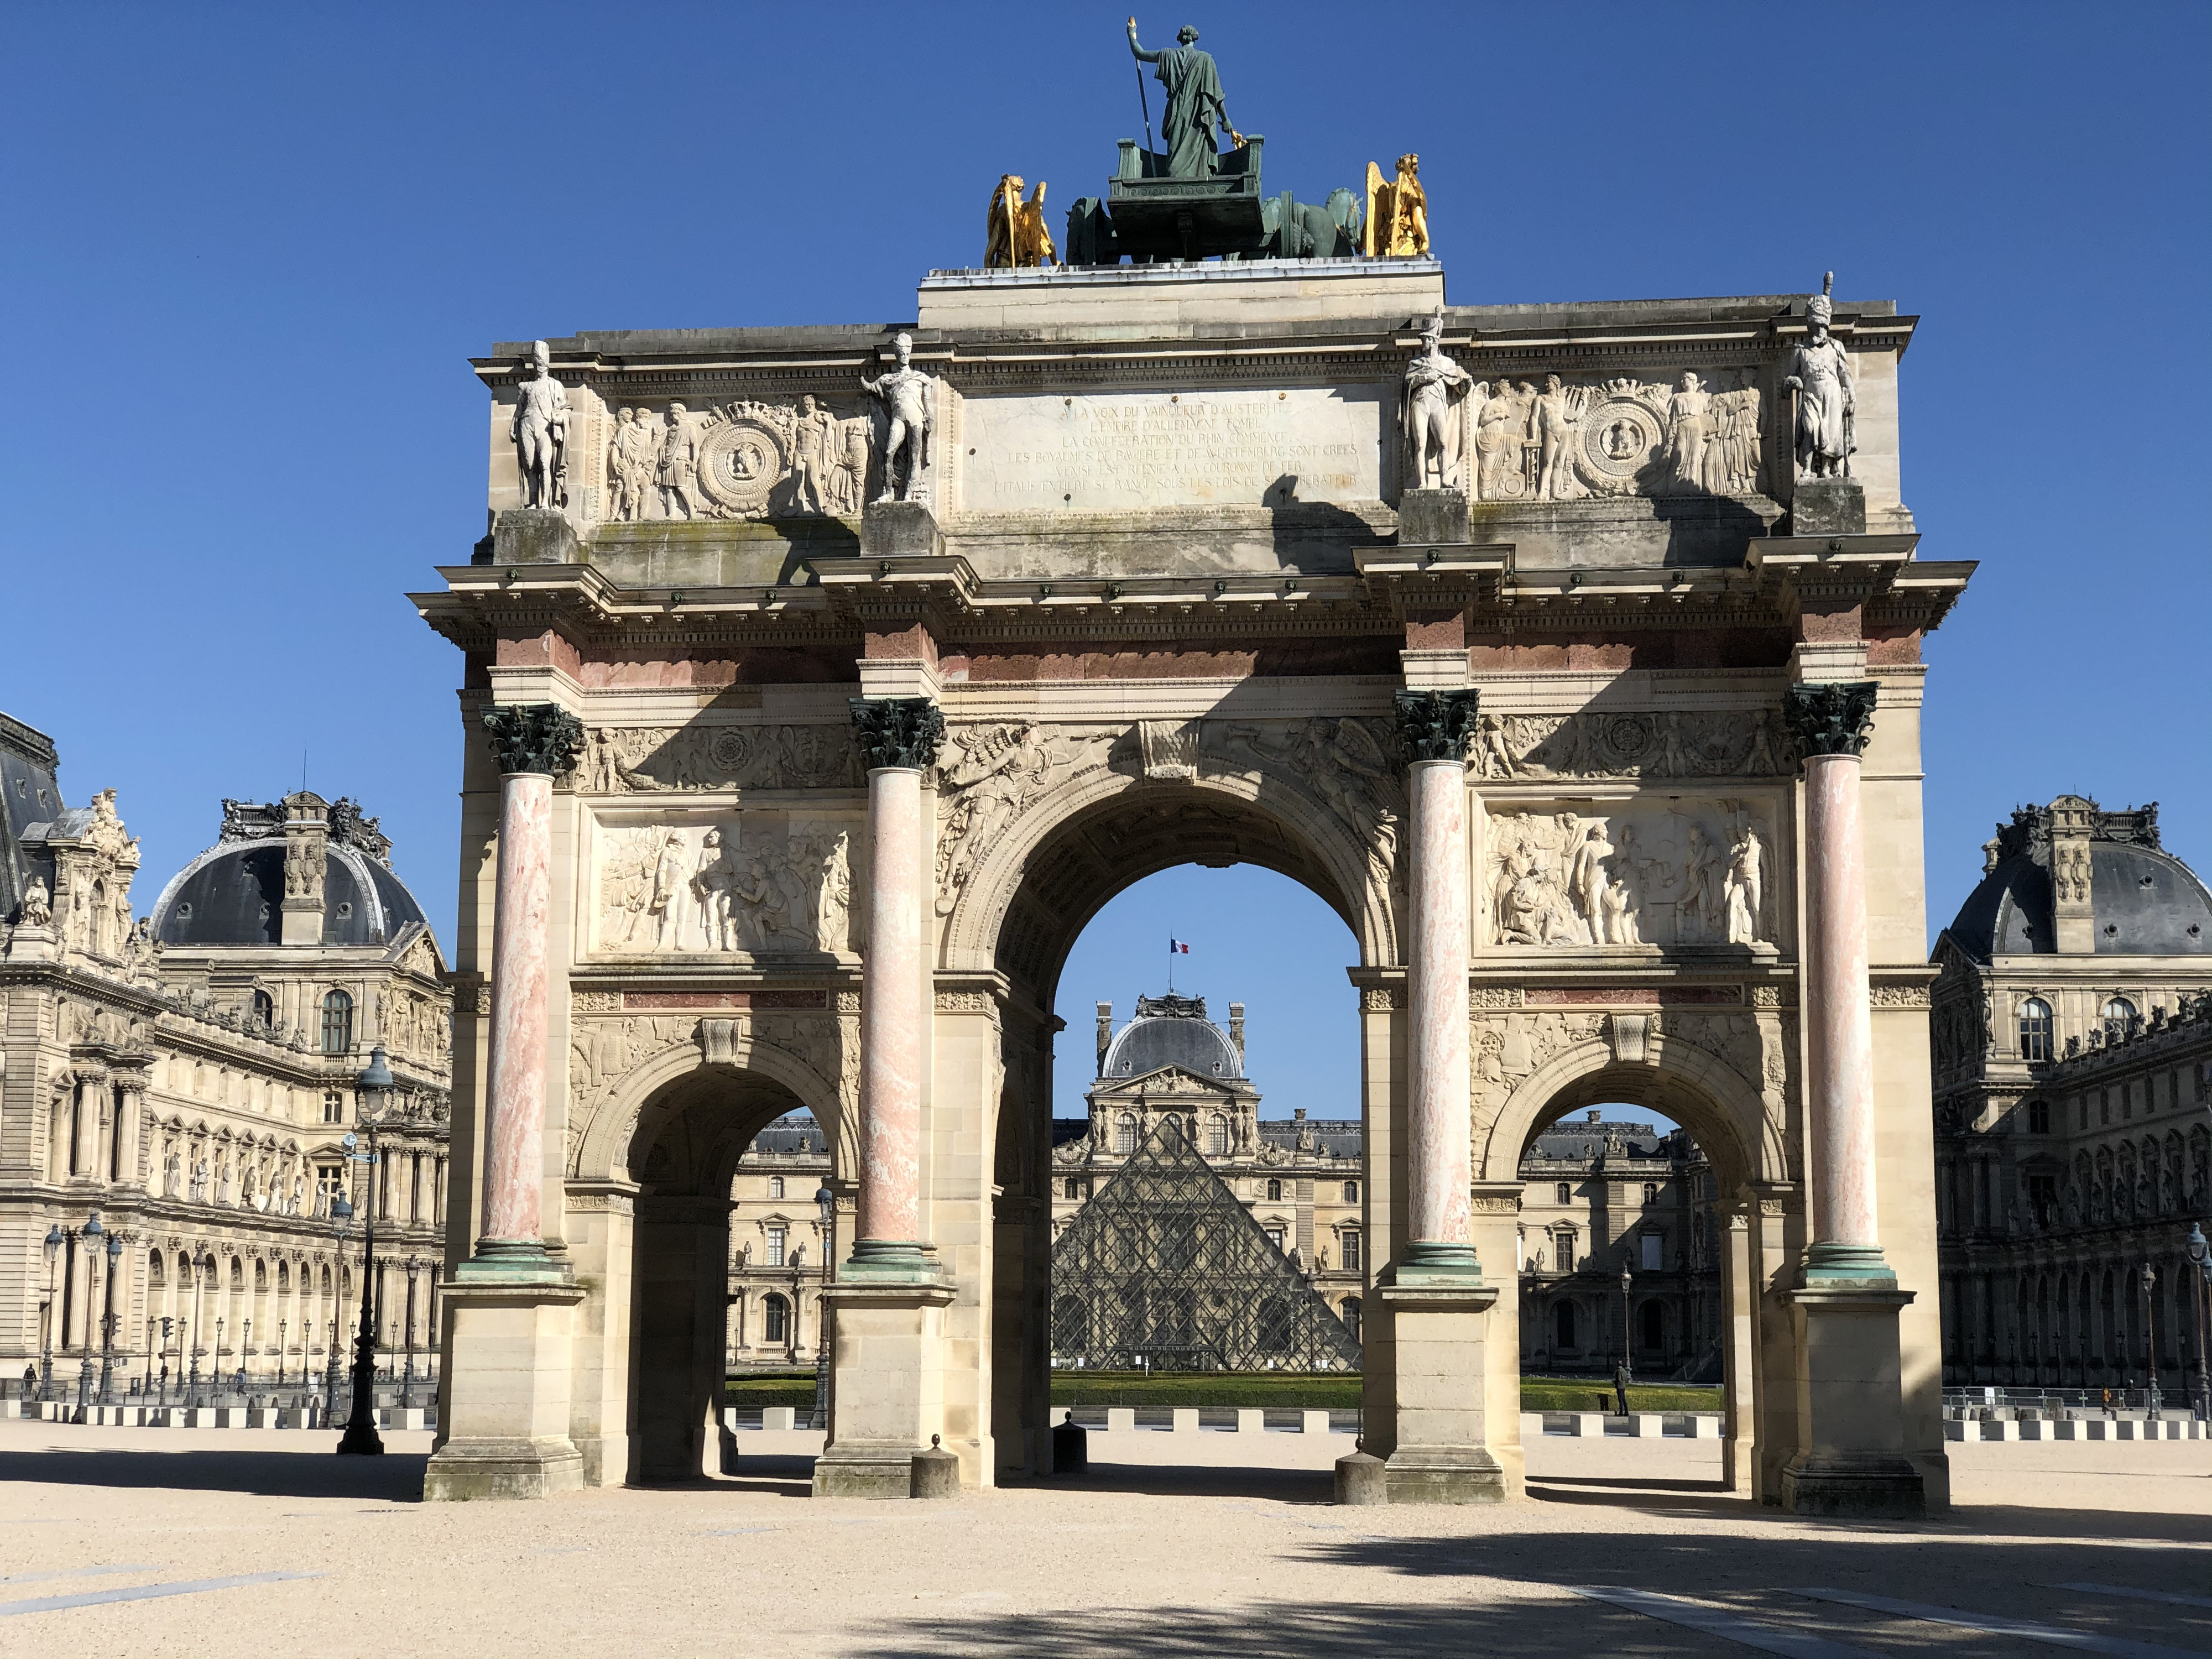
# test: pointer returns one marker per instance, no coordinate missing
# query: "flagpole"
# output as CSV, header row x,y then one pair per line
x,y
1170,964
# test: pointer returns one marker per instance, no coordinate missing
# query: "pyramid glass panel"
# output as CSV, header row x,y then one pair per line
x,y
1164,1269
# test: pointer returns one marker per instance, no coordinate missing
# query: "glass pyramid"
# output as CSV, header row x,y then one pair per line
x,y
1164,1268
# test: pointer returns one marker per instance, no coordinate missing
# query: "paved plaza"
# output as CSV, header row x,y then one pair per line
x,y
312,1553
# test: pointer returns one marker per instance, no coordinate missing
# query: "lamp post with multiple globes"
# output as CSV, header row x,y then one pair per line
x,y
373,1092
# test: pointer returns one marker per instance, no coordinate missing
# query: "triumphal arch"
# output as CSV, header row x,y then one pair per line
x,y
821,682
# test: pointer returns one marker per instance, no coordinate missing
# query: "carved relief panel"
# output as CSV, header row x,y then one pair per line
x,y
747,459
750,882
1659,874
1692,435
621,760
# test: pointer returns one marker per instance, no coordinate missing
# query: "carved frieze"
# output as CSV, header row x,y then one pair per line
x,y
645,760
747,883
1628,744
988,774
1573,440
746,459
1667,874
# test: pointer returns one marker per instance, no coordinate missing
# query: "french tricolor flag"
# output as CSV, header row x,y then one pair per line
x,y
1177,948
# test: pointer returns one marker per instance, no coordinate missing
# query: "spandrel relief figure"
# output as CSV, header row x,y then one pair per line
x,y
1586,883
540,432
1746,894
1559,412
1501,436
1435,391
1703,901
631,460
665,902
712,885
1688,430
1819,373
905,399
814,459
677,475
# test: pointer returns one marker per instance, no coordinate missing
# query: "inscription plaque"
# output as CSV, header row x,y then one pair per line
x,y
1265,448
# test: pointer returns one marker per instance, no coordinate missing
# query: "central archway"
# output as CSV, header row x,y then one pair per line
x,y
1018,915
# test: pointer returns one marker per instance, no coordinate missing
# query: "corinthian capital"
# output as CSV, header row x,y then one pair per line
x,y
536,737
1435,725
904,731
1832,717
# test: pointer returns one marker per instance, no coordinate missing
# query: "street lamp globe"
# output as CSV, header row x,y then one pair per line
x,y
341,1211
53,1243
91,1227
2195,1247
374,1088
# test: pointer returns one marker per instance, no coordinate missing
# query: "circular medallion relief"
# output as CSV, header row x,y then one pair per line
x,y
740,462
1620,438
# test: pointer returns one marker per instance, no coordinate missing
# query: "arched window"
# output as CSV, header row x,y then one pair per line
x,y
1348,1311
1275,1191
2035,1031
337,1024
283,1278
1217,1135
1654,1320
1172,1127
1352,1191
237,1274
776,1185
260,1276
264,1009
153,1271
327,1280
1125,1133
2119,1010
1563,1324
775,1319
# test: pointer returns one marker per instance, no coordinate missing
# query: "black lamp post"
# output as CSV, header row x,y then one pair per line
x,y
825,1204
373,1089
1627,1355
94,1234
46,1369
2200,1257
407,1380
203,1264
2148,1280
108,1323
168,1326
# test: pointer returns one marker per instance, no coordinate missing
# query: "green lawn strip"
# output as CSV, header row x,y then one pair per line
x,y
1553,1394
1329,1390
756,1391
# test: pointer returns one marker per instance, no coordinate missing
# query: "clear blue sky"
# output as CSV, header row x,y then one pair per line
x,y
250,248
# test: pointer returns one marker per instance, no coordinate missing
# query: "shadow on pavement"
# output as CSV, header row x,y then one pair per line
x,y
1503,1593
396,1477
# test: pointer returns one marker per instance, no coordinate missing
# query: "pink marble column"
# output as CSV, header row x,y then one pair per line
x,y
1437,1126
514,1128
1838,1022
891,1013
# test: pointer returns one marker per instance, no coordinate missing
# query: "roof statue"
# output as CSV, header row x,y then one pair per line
x,y
1191,200
1397,225
1195,105
1014,233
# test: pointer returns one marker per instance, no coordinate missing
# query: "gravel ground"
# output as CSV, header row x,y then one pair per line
x,y
1174,1545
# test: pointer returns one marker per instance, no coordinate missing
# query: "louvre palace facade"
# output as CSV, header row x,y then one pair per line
x,y
2072,1037
186,1076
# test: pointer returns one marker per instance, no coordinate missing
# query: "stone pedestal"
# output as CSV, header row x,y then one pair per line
x,y
890,530
1433,518
1849,1388
534,534
1443,1455
886,1400
29,944
506,1410
1828,506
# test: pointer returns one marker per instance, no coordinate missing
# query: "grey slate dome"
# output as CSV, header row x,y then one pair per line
x,y
1172,1030
234,893
2147,903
